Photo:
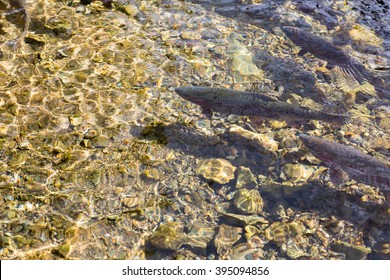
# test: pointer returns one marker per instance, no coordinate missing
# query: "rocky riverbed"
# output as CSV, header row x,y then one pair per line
x,y
101,159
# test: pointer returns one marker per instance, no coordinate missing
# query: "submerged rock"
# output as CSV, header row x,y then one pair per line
x,y
238,219
351,252
226,237
245,251
262,142
169,236
248,202
296,173
200,235
218,170
280,232
245,178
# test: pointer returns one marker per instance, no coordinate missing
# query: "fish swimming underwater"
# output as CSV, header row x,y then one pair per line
x,y
253,104
335,57
346,162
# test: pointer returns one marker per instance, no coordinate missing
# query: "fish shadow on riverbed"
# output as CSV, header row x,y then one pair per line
x,y
311,196
318,196
335,203
199,144
293,78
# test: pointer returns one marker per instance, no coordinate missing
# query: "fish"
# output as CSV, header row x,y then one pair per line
x,y
345,162
253,104
320,11
335,57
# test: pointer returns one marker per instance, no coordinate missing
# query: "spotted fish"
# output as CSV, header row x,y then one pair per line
x,y
253,104
346,162
335,57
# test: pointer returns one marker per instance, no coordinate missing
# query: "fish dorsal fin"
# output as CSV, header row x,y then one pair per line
x,y
207,112
257,122
302,51
263,97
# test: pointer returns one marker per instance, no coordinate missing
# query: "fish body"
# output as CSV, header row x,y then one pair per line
x,y
317,46
348,162
253,104
335,57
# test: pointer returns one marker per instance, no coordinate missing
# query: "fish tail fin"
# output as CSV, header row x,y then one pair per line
x,y
344,79
364,77
357,71
349,80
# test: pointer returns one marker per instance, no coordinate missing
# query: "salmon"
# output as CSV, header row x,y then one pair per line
x,y
335,57
253,104
347,162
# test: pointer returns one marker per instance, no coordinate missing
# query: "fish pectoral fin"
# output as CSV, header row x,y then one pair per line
x,y
207,112
295,123
330,66
302,51
324,70
338,177
257,122
345,80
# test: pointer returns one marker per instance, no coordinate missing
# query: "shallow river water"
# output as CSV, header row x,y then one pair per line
x,y
101,159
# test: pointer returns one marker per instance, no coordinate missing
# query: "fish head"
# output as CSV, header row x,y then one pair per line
x,y
305,139
193,95
298,36
317,147
290,31
313,143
